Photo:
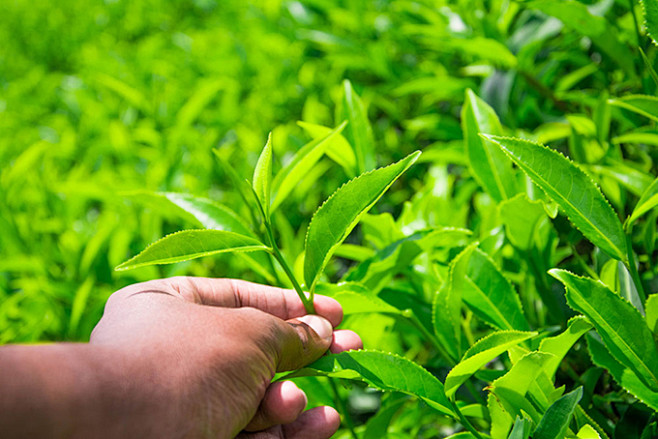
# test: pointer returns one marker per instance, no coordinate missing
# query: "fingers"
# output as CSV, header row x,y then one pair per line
x,y
345,340
300,341
282,404
317,423
233,293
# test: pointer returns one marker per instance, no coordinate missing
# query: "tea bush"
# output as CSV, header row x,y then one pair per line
x,y
502,288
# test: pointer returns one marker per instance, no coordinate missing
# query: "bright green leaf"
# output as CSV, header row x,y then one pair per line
x,y
645,105
648,201
559,345
572,189
520,216
298,168
338,150
336,218
481,353
263,176
588,432
355,298
358,132
651,308
191,244
650,13
620,325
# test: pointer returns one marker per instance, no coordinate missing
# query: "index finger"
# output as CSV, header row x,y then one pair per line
x,y
233,293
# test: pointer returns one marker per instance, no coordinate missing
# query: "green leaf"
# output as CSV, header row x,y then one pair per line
x,y
384,372
620,325
560,344
338,150
652,313
291,174
191,244
358,132
200,210
648,201
263,176
635,181
588,432
572,189
507,398
490,295
489,165
355,298
521,216
481,353
555,422
641,104
576,16
650,14
336,218
624,376
522,428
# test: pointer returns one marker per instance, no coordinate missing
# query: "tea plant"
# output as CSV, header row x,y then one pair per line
x,y
503,288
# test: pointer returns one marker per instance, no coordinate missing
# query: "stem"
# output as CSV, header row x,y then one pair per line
x,y
343,409
630,264
308,302
465,422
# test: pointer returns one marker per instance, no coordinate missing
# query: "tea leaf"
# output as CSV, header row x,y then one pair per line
x,y
291,174
384,372
559,345
355,298
359,132
490,295
641,104
588,432
554,423
481,353
338,150
620,325
522,429
648,201
201,210
490,166
650,13
572,189
624,376
520,228
191,244
263,176
652,313
336,218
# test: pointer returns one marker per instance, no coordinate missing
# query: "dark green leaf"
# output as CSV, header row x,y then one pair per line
x,y
555,422
620,325
382,371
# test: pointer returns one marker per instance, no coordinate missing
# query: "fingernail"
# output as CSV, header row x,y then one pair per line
x,y
319,324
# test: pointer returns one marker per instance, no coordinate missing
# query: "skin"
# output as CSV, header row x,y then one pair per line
x,y
177,358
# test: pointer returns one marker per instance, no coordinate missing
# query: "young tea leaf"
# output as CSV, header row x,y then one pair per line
x,y
572,189
288,177
620,325
648,201
263,176
554,423
650,14
336,218
382,371
560,344
355,298
339,150
489,165
481,353
359,132
588,432
191,244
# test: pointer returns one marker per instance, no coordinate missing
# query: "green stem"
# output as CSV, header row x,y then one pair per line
x,y
342,408
630,264
465,422
308,302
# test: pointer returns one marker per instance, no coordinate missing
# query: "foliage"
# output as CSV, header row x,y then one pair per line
x,y
507,279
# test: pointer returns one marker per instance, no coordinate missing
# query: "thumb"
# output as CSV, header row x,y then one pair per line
x,y
304,340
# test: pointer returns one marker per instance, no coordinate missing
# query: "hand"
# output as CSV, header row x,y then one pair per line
x,y
205,350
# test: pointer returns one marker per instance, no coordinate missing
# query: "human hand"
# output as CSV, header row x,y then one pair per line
x,y
205,351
